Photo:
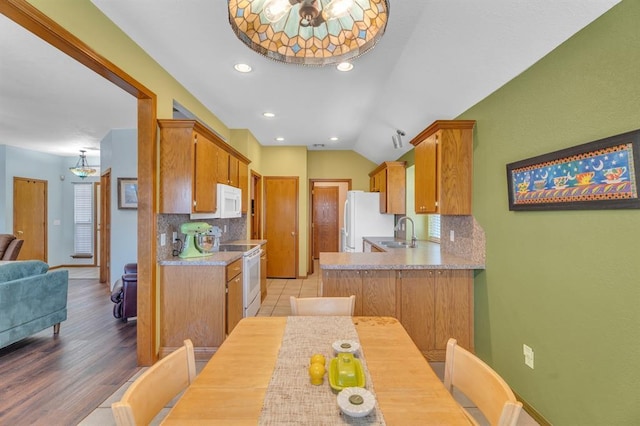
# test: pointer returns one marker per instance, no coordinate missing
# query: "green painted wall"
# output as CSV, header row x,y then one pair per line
x,y
566,283
341,165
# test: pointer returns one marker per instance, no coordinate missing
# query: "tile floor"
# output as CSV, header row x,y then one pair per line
x,y
277,304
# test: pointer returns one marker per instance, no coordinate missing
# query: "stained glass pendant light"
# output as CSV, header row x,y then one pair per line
x,y
82,168
309,32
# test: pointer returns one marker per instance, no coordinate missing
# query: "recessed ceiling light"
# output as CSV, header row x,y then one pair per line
x,y
280,139
344,66
242,68
268,114
333,139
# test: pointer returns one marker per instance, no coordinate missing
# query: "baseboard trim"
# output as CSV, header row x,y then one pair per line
x,y
532,412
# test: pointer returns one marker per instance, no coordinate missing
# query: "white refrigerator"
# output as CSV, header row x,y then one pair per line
x,y
362,218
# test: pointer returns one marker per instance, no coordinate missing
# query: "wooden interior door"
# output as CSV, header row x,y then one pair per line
x,y
325,219
281,226
105,227
30,217
255,206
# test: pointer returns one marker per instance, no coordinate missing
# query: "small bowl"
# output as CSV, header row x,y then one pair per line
x,y
346,346
356,402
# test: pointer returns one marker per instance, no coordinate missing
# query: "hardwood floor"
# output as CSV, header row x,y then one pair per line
x,y
47,380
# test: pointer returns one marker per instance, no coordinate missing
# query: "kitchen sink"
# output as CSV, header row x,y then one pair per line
x,y
395,244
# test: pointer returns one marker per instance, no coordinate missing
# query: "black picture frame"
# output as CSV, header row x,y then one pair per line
x,y
602,174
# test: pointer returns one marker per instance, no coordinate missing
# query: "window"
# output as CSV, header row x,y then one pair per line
x,y
434,227
83,218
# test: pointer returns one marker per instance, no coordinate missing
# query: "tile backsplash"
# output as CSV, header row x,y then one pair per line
x,y
469,237
236,229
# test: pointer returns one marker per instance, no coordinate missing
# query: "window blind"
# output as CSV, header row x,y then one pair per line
x,y
434,227
83,218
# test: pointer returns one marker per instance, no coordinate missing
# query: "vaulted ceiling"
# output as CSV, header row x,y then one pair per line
x,y
436,59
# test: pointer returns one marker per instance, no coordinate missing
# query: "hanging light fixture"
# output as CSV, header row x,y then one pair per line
x,y
309,32
82,168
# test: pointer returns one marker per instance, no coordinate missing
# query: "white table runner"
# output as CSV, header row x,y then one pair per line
x,y
291,399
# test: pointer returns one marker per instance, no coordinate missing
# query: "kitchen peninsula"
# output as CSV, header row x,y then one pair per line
x,y
428,290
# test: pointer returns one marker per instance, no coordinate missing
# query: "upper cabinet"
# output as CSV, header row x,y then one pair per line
x,y
389,179
192,160
444,172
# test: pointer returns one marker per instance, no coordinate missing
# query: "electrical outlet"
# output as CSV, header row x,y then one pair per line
x,y
528,356
175,236
225,228
452,235
163,239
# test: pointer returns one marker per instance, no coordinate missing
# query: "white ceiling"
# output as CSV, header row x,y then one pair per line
x,y
436,59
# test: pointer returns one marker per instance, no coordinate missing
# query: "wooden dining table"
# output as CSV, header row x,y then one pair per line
x,y
231,387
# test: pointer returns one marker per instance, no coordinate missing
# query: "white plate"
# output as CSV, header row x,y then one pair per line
x,y
346,346
356,402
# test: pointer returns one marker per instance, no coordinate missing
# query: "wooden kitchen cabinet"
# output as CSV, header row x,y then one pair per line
x,y
432,304
235,306
192,160
443,173
389,179
436,305
232,170
375,290
187,167
199,302
192,306
243,184
222,174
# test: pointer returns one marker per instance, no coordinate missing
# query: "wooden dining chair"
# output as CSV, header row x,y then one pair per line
x,y
158,385
323,306
481,384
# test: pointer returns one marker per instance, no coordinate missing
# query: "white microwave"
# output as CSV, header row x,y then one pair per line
x,y
229,202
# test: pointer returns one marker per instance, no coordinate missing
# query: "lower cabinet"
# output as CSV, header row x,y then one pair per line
x,y
432,304
235,308
436,305
375,290
194,304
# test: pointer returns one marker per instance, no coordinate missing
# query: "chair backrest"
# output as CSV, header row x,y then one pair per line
x,y
481,384
323,306
13,250
158,385
9,246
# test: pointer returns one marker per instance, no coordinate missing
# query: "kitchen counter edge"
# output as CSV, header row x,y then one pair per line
x,y
426,255
215,259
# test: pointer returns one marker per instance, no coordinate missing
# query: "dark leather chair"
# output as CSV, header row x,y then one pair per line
x,y
9,246
125,293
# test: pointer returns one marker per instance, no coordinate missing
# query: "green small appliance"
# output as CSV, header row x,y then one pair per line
x,y
191,230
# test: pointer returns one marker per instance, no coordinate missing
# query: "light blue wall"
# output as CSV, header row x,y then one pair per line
x,y
119,152
18,162
3,191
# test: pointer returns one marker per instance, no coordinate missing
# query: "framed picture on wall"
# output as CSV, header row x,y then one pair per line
x,y
602,174
127,193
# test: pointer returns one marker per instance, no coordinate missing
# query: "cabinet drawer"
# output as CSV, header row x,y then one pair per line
x,y
234,269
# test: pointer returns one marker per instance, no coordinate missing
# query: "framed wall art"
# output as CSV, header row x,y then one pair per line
x,y
127,193
597,175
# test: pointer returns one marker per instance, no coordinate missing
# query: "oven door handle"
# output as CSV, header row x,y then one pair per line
x,y
258,253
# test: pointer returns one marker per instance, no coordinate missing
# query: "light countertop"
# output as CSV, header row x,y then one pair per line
x,y
222,258
426,255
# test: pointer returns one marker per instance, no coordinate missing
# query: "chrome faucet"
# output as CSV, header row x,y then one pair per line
x,y
414,240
